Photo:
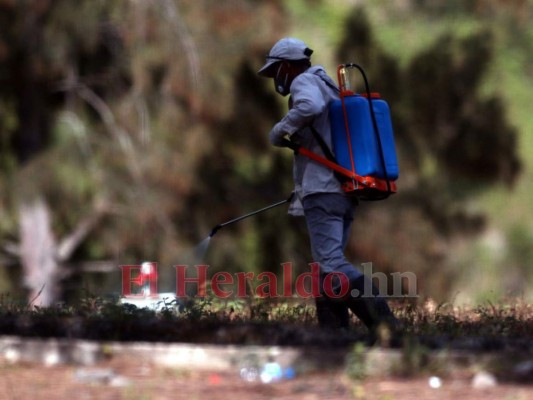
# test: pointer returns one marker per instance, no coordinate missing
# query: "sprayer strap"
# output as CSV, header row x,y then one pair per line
x,y
328,83
327,153
322,143
325,148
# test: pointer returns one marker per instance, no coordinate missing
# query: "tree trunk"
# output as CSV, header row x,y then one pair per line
x,y
38,249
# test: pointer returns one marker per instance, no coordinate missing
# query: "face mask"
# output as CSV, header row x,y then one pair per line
x,y
281,83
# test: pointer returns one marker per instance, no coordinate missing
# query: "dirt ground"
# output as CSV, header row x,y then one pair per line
x,y
139,380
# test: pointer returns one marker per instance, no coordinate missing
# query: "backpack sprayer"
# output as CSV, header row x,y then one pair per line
x,y
364,158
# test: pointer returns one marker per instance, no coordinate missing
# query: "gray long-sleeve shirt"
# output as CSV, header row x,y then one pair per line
x,y
310,97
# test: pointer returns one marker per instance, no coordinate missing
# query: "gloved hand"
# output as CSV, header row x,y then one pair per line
x,y
276,135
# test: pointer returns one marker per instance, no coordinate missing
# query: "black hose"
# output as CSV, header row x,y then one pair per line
x,y
279,203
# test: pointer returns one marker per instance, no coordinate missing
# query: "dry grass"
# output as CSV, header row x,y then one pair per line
x,y
488,327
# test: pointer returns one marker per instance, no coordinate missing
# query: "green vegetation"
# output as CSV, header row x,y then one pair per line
x,y
505,328
129,129
405,32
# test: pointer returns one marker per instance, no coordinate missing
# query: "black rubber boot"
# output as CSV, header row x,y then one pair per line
x,y
331,314
372,309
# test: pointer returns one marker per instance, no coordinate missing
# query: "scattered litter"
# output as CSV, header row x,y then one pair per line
x,y
119,381
289,373
214,379
435,382
51,358
249,374
12,355
271,372
94,376
484,380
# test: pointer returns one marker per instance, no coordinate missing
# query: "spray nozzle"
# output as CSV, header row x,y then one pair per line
x,y
215,230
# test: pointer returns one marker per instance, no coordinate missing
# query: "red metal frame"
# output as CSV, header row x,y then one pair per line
x,y
357,181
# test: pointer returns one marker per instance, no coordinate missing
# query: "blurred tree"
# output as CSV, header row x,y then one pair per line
x,y
42,45
452,144
129,128
518,9
107,109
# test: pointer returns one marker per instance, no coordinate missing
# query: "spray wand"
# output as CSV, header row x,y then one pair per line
x,y
279,203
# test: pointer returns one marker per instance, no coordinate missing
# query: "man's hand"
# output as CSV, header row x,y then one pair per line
x,y
277,135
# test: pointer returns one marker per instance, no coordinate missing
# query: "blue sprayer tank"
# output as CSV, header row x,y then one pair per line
x,y
365,146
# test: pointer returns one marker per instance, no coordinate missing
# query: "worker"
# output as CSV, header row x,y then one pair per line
x,y
318,194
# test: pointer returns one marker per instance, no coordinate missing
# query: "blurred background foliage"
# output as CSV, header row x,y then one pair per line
x,y
139,125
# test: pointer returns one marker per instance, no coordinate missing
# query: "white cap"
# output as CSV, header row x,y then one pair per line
x,y
285,49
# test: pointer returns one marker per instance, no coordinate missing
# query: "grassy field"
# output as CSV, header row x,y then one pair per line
x,y
505,326
443,353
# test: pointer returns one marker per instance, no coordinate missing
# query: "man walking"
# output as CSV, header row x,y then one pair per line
x,y
318,194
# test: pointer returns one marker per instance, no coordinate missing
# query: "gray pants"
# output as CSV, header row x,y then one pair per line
x,y
329,218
